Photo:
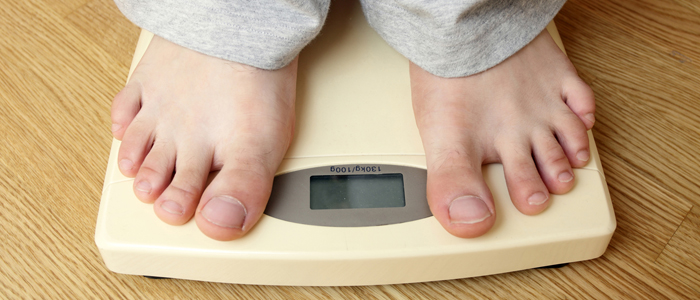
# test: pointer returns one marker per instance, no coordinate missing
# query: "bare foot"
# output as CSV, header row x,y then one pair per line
x,y
530,113
188,113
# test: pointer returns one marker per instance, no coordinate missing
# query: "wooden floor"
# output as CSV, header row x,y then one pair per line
x,y
62,61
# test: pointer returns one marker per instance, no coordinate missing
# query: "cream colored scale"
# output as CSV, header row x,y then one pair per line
x,y
354,107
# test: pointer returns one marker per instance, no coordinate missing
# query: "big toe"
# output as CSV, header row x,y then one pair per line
x,y
234,202
459,197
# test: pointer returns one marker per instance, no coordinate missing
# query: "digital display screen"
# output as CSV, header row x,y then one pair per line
x,y
357,191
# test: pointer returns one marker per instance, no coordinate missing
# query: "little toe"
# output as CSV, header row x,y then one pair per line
x,y
573,138
177,203
525,187
234,202
155,173
125,106
552,163
136,143
459,197
579,97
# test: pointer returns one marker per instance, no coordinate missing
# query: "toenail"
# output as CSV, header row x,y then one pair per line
x,y
143,186
468,210
537,198
116,127
565,176
172,207
125,164
225,211
590,117
583,155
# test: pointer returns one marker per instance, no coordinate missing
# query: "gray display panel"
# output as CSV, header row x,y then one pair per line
x,y
291,194
357,191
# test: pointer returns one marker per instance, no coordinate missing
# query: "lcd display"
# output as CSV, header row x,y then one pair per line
x,y
357,191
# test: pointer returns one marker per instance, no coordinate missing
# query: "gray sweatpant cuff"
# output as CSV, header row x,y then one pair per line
x,y
459,38
448,38
266,34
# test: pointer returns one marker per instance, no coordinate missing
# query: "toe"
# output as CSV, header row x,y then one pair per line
x,y
155,172
573,138
177,203
125,106
234,201
579,97
552,163
136,143
458,195
527,191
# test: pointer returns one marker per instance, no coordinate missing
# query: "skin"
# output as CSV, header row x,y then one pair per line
x,y
530,113
184,114
190,113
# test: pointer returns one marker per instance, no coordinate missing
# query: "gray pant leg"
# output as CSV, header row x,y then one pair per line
x,y
267,34
454,38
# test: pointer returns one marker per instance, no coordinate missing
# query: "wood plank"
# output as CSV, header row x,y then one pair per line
x,y
650,100
55,113
681,256
647,214
44,227
642,207
647,217
63,7
692,5
671,28
37,40
101,21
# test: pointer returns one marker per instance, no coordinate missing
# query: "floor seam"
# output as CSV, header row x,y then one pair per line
x,y
674,234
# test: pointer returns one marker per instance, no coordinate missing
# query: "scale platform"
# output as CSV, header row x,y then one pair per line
x,y
355,122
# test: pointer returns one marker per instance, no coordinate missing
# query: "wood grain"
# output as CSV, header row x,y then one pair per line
x,y
62,61
681,257
654,104
114,33
690,4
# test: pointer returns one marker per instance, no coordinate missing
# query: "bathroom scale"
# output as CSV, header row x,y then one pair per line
x,y
348,205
